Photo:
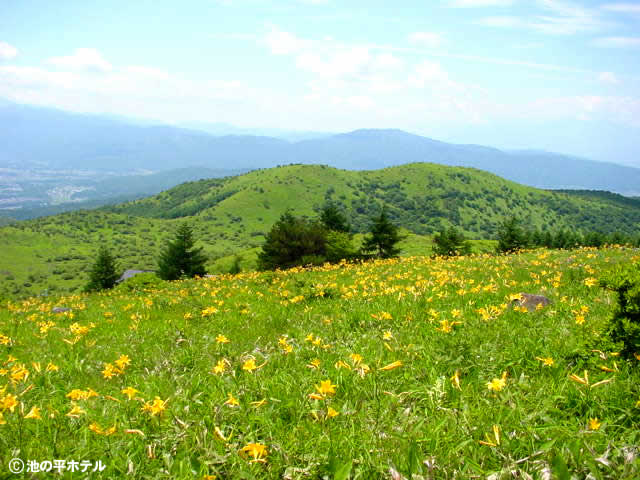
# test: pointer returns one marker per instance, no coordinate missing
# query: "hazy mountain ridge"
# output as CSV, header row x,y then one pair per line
x,y
55,139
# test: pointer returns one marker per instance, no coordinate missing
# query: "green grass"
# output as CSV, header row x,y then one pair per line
x,y
411,418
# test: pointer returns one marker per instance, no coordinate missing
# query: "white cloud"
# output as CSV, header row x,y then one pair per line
x,y
617,42
7,52
428,74
83,59
622,7
623,110
608,78
480,3
558,18
427,39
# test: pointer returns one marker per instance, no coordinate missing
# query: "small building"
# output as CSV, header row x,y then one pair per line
x,y
131,273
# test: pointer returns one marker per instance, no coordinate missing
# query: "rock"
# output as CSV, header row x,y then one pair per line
x,y
60,309
531,302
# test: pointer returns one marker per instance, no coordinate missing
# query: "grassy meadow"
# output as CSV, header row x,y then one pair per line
x,y
405,368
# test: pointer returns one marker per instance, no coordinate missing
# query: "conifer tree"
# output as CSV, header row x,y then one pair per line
x,y
103,273
511,236
383,238
450,242
180,258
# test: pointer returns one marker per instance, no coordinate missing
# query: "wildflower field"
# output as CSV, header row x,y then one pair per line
x,y
403,368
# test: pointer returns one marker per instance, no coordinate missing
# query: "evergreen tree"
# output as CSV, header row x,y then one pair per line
x,y
450,242
103,273
511,236
383,238
180,258
293,241
333,219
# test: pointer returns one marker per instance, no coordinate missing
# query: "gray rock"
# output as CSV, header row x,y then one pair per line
x,y
531,302
60,309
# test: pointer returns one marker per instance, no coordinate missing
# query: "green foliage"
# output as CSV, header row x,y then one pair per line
x,y
624,325
141,282
511,236
180,257
235,266
450,242
383,238
104,272
293,241
333,219
339,246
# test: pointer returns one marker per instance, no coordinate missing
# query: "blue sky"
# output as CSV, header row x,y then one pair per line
x,y
545,74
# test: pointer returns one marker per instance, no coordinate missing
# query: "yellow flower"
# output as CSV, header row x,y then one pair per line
x,y
9,402
387,335
2,420
455,380
123,362
156,407
356,358
331,412
51,367
326,388
590,282
222,339
546,361
579,319
34,413
315,363
498,384
249,365
594,424
76,411
256,451
341,364
109,371
492,442
129,392
232,401
391,366
95,428
220,367
259,403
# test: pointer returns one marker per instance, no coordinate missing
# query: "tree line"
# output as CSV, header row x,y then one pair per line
x,y
300,241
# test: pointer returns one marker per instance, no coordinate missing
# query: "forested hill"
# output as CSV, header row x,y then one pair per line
x,y
421,197
54,254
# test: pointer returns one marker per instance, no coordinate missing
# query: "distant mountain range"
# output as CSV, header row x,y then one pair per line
x,y
47,138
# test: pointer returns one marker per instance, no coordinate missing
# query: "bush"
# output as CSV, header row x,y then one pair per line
x,y
382,240
624,326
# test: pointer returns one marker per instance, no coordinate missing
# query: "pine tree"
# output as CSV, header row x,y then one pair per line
x,y
450,242
103,273
293,241
333,219
180,258
383,238
511,236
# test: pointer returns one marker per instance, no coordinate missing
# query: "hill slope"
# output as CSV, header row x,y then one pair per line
x,y
233,214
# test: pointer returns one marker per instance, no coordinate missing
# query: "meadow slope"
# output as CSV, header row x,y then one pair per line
x,y
413,366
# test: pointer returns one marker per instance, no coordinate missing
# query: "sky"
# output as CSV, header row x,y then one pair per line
x,y
518,74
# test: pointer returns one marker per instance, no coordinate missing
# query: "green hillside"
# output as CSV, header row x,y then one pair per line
x,y
421,197
231,215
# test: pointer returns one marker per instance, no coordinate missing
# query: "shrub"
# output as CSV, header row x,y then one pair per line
x,y
511,236
180,257
624,326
